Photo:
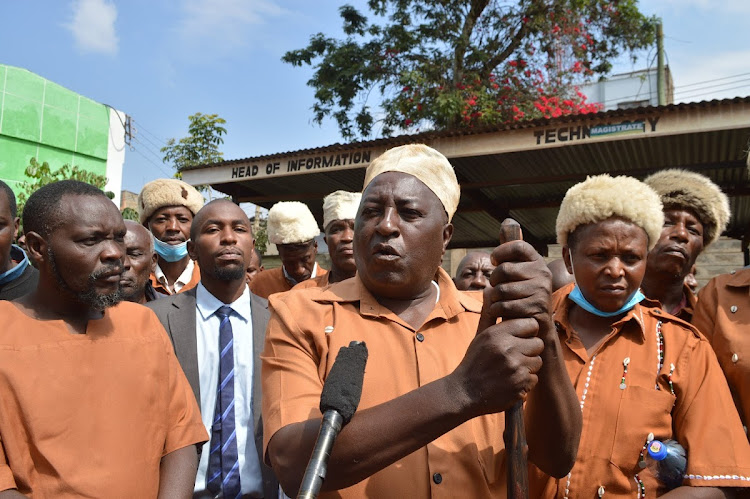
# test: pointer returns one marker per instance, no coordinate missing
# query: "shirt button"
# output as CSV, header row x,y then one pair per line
x,y
437,478
420,338
733,308
600,492
735,358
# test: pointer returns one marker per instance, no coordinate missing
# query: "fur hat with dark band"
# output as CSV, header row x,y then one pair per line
x,y
167,192
686,189
601,197
428,165
340,205
291,222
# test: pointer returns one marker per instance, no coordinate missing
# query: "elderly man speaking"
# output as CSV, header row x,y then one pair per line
x,y
437,379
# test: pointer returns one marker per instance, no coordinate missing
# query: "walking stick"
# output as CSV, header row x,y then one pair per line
x,y
516,447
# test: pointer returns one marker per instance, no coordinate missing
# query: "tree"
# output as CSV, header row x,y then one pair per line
x,y
40,174
129,213
200,147
461,63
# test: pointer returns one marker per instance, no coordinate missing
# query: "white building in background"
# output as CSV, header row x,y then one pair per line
x,y
629,90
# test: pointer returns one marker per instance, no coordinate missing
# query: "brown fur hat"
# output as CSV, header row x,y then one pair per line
x,y
167,192
685,189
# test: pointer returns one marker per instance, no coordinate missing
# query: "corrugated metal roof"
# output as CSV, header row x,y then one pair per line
x,y
529,184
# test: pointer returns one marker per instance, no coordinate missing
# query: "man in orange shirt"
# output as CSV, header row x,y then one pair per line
x,y
696,212
93,402
640,373
339,210
167,207
438,375
293,229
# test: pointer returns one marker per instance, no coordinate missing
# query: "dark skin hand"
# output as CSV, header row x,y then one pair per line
x,y
502,363
177,473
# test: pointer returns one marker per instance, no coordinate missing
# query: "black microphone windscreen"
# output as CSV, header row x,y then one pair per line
x,y
343,387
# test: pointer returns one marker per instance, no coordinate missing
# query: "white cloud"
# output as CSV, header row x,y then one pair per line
x,y
93,26
224,24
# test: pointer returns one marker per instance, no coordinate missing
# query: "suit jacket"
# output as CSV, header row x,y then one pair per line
x,y
177,315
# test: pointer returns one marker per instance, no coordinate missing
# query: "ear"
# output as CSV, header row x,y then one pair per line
x,y
567,260
16,223
36,248
154,259
447,235
191,250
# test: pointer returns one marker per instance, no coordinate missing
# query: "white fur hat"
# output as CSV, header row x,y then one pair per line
x,y
167,192
291,222
340,205
601,197
428,165
686,189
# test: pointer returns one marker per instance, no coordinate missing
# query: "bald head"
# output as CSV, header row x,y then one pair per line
x,y
473,272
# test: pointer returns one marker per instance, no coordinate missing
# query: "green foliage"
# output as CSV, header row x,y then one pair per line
x,y
40,174
130,214
198,148
260,232
426,61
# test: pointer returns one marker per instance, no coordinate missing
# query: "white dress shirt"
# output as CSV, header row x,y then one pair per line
x,y
207,330
181,281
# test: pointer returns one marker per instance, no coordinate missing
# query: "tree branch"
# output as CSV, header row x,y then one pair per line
x,y
475,11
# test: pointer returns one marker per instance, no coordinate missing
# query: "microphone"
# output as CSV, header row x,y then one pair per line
x,y
338,402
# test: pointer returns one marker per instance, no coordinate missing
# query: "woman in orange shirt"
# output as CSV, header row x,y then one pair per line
x,y
640,373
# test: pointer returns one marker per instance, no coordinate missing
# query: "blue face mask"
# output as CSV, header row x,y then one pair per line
x,y
577,297
169,252
13,273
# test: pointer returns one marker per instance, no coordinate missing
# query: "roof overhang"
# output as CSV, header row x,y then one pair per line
x,y
521,170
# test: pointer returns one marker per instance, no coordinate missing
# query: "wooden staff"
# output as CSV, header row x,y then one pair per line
x,y
516,447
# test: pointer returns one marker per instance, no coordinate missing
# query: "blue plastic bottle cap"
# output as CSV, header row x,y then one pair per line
x,y
657,450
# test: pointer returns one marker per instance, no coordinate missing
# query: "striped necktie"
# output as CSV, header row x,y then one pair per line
x,y
223,474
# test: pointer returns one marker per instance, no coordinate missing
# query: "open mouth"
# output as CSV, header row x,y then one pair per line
x,y
385,251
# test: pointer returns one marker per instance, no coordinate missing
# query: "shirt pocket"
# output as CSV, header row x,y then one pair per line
x,y
642,411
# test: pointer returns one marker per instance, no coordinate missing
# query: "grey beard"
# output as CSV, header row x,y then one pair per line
x,y
89,296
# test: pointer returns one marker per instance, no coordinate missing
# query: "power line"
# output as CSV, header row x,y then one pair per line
x,y
147,148
150,133
157,146
715,79
160,167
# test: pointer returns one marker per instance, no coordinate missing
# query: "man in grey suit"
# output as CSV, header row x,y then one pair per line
x,y
218,330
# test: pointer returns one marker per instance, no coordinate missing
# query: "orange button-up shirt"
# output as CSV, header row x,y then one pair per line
x,y
723,315
320,281
306,330
628,391
274,281
90,415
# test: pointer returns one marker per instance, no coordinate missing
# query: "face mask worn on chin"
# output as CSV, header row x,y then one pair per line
x,y
14,272
169,252
577,297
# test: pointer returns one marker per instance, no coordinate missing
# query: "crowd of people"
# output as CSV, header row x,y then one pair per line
x,y
160,359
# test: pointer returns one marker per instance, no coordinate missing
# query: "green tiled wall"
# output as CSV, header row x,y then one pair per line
x,y
39,118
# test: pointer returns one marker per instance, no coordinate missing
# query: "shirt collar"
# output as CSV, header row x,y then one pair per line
x,y
184,278
740,279
292,280
452,301
208,304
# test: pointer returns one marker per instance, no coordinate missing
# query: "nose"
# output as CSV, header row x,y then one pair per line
x,y
348,235
615,268
388,224
679,232
479,281
173,225
113,251
228,236
125,262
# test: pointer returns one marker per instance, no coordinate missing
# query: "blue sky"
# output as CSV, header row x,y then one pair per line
x,y
160,61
